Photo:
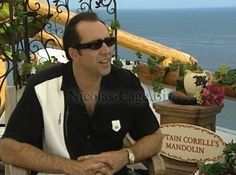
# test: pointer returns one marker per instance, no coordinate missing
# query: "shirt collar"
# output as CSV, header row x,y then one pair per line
x,y
69,82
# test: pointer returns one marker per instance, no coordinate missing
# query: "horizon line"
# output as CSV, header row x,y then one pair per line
x,y
174,8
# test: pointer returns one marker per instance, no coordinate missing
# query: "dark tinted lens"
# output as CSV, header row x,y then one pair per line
x,y
97,44
110,41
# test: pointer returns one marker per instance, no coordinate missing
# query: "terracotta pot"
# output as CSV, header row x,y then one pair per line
x,y
171,77
145,76
229,91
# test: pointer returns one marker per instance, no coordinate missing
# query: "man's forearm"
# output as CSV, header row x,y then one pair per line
x,y
29,157
147,146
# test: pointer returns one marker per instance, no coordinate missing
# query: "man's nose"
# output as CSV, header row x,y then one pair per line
x,y
106,48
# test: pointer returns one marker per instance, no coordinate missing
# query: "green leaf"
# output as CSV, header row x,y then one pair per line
x,y
159,59
139,55
4,11
217,75
21,56
118,63
6,49
228,80
223,69
158,85
115,24
174,65
43,65
152,64
232,72
26,69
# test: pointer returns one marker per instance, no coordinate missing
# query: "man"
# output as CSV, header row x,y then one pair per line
x,y
72,118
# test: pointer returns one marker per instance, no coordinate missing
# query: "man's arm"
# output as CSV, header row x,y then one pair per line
x,y
29,157
142,149
147,146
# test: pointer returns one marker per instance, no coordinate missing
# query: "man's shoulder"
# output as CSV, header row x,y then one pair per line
x,y
47,74
120,77
121,73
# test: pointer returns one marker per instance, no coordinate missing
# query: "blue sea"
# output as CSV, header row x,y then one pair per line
x,y
209,35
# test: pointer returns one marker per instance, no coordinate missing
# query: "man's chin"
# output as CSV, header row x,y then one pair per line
x,y
106,72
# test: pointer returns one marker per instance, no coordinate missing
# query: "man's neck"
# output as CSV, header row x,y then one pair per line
x,y
86,82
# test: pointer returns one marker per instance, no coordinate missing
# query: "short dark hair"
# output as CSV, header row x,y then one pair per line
x,y
70,36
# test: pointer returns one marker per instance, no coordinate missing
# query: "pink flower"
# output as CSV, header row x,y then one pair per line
x,y
212,94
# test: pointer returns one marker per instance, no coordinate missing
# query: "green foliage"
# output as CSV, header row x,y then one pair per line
x,y
115,24
174,65
153,62
117,62
137,61
230,154
228,167
225,75
212,169
153,65
186,66
5,50
12,31
158,85
138,55
4,11
26,69
42,66
21,56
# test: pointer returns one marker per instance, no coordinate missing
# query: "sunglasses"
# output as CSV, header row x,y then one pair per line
x,y
97,44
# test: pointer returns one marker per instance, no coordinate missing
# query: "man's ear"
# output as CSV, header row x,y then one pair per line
x,y
73,53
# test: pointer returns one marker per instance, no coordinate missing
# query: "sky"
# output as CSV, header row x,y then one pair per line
x,y
173,4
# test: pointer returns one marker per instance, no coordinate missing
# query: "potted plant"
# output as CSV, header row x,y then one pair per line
x,y
226,77
172,72
227,166
13,35
150,73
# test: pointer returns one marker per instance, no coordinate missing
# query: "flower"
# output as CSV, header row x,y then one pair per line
x,y
212,94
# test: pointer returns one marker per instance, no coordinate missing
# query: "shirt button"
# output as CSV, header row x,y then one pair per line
x,y
88,136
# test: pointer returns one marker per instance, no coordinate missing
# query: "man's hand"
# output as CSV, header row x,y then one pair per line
x,y
94,166
115,160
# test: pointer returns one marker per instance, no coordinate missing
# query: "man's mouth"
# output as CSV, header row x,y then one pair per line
x,y
104,61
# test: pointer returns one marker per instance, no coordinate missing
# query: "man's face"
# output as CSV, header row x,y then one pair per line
x,y
93,62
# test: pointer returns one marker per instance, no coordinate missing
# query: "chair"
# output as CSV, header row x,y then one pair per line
x,y
154,164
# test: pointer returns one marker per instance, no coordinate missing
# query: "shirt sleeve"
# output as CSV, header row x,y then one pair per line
x,y
145,121
26,122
